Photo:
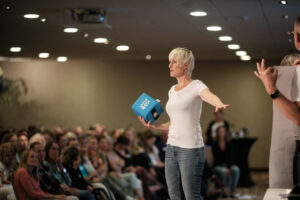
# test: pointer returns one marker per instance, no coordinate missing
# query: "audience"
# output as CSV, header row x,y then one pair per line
x,y
26,179
223,162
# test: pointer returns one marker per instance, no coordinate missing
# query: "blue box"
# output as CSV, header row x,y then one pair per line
x,y
147,107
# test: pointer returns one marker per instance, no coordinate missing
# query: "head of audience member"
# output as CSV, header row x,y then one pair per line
x,y
221,134
29,161
116,133
105,133
7,154
78,131
148,139
182,61
57,131
291,60
164,136
84,142
38,137
62,141
71,157
23,142
131,135
48,135
11,138
98,129
52,151
93,144
219,116
297,33
73,142
105,144
122,142
38,147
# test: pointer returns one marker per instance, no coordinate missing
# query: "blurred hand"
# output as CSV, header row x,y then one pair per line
x,y
268,76
221,107
148,125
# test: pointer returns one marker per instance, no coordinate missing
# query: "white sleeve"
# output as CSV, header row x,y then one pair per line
x,y
199,87
295,93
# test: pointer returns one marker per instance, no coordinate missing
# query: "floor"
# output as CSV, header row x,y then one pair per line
x,y
261,180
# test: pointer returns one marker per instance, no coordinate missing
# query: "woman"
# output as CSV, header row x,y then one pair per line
x,y
185,148
8,166
53,164
223,162
27,181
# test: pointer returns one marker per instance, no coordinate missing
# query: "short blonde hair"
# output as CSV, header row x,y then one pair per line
x,y
183,56
288,60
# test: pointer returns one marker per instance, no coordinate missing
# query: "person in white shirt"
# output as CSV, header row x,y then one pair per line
x,y
184,161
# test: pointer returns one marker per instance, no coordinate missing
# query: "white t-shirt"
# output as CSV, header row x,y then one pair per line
x,y
184,109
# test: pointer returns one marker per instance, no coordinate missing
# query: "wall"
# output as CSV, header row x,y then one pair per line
x,y
81,92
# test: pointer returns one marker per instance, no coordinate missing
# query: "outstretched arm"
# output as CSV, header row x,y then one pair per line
x,y
212,99
268,77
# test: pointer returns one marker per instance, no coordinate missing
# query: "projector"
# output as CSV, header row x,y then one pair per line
x,y
95,15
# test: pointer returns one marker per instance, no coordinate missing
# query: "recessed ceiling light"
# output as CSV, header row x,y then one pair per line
x,y
70,30
122,48
225,38
283,2
214,28
43,19
15,49
7,7
62,59
245,58
241,53
101,40
31,16
233,46
86,35
44,55
198,13
148,57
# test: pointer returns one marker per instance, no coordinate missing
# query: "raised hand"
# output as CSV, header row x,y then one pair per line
x,y
268,76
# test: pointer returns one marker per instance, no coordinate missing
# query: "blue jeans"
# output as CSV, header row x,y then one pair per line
x,y
184,169
86,195
232,180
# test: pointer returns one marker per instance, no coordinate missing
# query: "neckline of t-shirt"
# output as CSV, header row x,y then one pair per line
x,y
182,89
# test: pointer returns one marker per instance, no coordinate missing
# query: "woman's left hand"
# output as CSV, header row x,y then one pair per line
x,y
221,107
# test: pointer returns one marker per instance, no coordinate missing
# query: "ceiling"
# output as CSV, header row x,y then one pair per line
x,y
150,27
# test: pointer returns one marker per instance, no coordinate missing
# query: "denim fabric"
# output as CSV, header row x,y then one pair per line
x,y
231,180
85,195
184,168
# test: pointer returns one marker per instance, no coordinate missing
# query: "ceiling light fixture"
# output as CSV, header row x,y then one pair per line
x,y
122,48
241,53
148,57
31,16
62,59
43,19
44,55
86,35
70,30
225,38
233,46
245,58
283,2
15,49
7,7
214,28
198,13
101,40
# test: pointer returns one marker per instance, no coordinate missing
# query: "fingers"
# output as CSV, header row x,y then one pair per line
x,y
296,62
257,74
263,66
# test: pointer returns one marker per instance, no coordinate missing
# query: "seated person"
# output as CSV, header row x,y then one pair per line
x,y
26,179
54,166
47,181
211,132
223,165
71,160
8,165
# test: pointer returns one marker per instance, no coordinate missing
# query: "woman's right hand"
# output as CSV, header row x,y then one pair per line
x,y
148,125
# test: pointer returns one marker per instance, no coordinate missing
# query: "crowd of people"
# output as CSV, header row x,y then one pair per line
x,y
93,164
